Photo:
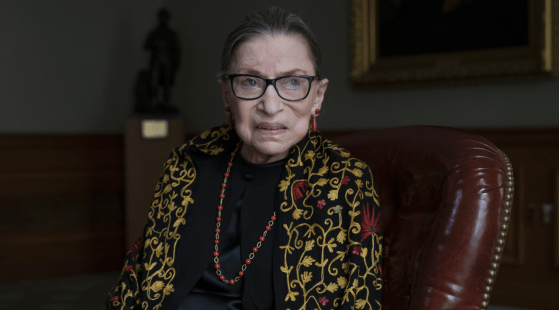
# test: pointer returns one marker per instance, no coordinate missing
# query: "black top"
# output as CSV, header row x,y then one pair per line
x,y
252,190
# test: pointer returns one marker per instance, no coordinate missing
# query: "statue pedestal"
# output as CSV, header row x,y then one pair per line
x,y
148,141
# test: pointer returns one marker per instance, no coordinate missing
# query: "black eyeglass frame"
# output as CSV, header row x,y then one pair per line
x,y
273,83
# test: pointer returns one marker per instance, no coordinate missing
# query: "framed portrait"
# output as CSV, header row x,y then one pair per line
x,y
415,43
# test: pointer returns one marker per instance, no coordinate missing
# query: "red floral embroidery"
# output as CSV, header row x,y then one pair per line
x,y
345,180
370,224
129,267
136,247
380,269
114,298
356,250
299,189
323,301
321,204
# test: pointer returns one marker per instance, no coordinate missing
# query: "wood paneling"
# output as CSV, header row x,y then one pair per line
x,y
35,255
61,200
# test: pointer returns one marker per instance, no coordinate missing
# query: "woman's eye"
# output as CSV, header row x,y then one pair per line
x,y
249,82
294,82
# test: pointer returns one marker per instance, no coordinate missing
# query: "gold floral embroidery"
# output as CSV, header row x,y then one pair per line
x,y
325,263
162,232
358,264
208,146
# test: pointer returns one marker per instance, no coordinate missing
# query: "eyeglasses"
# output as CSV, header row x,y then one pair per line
x,y
290,88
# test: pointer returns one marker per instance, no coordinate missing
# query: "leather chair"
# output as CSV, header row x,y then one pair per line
x,y
445,196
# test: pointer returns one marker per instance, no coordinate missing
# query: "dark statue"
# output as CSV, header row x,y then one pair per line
x,y
153,86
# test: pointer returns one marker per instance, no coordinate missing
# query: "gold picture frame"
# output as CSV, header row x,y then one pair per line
x,y
537,59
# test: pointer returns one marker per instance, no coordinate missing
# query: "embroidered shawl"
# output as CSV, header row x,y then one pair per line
x,y
327,250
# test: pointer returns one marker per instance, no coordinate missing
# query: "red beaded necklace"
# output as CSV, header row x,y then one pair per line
x,y
218,224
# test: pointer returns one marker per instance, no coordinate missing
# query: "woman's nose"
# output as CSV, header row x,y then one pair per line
x,y
271,102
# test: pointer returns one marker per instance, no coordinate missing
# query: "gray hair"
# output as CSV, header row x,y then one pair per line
x,y
268,22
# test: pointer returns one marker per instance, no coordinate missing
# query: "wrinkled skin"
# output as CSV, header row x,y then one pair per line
x,y
269,126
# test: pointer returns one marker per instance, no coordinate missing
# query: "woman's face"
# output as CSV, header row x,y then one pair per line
x,y
269,126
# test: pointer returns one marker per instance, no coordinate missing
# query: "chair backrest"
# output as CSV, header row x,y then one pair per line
x,y
445,196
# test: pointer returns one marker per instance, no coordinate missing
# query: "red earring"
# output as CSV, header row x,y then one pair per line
x,y
230,118
314,127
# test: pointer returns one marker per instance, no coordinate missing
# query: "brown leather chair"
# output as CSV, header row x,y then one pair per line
x,y
445,196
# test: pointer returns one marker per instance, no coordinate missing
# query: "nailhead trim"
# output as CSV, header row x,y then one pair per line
x,y
502,235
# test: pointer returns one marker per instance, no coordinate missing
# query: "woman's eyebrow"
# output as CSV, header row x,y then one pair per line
x,y
291,72
281,74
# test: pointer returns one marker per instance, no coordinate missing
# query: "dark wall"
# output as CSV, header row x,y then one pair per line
x,y
69,67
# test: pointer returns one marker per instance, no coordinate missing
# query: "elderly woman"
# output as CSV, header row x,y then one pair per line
x,y
264,213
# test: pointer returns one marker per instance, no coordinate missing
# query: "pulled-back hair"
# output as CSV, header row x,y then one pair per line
x,y
268,22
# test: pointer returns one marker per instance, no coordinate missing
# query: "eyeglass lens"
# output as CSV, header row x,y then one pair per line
x,y
289,87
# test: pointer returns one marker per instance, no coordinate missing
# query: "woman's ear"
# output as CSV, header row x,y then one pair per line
x,y
224,92
322,85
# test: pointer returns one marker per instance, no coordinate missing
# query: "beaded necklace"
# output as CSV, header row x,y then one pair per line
x,y
248,261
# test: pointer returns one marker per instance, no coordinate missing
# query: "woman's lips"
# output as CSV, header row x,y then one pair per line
x,y
271,129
